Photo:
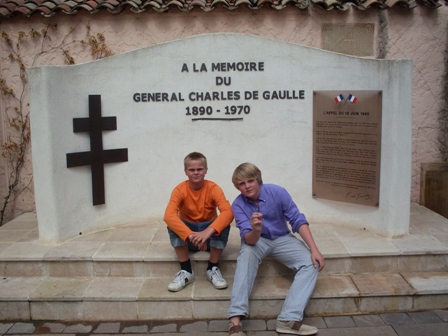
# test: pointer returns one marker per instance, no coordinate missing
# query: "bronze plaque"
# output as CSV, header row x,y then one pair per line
x,y
347,146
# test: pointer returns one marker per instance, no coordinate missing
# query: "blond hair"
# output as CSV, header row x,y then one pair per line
x,y
246,171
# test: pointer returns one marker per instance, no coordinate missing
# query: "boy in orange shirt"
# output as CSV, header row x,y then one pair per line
x,y
194,224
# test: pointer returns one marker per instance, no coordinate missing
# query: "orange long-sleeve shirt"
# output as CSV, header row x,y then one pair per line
x,y
197,206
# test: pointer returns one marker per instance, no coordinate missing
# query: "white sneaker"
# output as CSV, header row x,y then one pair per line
x,y
181,279
215,277
295,328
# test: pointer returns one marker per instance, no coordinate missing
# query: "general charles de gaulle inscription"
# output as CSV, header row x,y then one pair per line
x,y
224,100
347,146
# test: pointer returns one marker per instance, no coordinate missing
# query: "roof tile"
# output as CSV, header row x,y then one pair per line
x,y
44,9
65,8
22,10
48,4
19,2
9,8
9,5
4,11
30,5
405,3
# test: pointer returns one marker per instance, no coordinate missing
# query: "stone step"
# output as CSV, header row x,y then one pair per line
x,y
346,249
74,267
141,298
122,274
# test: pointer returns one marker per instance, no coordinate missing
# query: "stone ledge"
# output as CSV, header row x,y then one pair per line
x,y
122,289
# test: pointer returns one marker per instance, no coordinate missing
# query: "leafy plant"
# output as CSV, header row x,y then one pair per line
x,y
17,124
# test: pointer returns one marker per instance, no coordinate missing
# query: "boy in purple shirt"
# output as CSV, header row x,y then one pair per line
x,y
262,213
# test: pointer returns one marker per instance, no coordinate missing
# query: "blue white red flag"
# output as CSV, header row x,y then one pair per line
x,y
339,98
352,98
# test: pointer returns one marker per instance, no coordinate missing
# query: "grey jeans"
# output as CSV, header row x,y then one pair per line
x,y
290,251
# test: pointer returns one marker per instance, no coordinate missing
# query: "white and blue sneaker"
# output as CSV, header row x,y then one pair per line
x,y
215,277
181,279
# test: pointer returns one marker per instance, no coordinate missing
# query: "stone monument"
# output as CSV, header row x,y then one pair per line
x,y
109,136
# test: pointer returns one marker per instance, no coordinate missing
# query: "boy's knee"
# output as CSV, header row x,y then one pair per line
x,y
248,256
309,269
218,244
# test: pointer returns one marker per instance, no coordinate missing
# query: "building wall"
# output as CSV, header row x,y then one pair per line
x,y
419,34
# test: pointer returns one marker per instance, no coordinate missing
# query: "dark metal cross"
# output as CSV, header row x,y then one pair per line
x,y
97,157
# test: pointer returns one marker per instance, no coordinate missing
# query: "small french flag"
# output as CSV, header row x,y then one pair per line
x,y
352,98
339,98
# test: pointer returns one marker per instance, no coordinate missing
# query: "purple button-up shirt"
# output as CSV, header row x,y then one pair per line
x,y
277,208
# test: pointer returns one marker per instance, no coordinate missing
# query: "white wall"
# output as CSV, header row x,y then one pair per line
x,y
276,135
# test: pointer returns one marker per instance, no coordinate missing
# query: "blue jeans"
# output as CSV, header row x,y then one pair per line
x,y
290,251
218,242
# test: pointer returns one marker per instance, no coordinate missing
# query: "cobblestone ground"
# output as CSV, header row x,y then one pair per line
x,y
434,323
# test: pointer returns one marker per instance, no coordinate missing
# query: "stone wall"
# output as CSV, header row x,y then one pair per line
x,y
418,34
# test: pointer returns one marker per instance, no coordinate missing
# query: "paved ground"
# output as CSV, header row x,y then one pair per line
x,y
427,323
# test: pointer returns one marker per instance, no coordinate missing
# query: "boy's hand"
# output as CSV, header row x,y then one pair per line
x,y
318,259
203,247
256,221
199,239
